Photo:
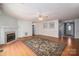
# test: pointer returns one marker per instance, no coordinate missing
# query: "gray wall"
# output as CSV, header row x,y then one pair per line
x,y
6,20
76,28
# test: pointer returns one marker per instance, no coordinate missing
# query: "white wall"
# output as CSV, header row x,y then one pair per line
x,y
48,31
6,20
76,28
24,27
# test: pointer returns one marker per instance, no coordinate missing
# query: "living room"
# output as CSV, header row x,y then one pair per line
x,y
54,22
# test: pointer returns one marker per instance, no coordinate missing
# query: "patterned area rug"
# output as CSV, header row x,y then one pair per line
x,y
44,47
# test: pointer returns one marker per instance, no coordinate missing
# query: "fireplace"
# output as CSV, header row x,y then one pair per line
x,y
10,37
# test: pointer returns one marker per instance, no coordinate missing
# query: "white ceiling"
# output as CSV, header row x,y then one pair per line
x,y
30,11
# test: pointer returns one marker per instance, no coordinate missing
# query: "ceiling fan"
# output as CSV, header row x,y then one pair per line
x,y
41,16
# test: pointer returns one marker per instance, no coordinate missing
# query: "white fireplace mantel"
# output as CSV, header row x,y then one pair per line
x,y
4,30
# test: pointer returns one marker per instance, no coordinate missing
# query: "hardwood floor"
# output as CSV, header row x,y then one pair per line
x,y
72,48
18,48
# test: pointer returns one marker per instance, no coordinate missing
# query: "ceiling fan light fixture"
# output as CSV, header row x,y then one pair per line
x,y
40,18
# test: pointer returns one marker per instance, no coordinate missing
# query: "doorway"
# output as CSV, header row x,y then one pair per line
x,y
33,30
69,29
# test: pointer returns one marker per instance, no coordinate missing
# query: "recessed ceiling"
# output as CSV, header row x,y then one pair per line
x,y
30,11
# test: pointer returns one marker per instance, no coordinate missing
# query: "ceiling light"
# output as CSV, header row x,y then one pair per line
x,y
40,18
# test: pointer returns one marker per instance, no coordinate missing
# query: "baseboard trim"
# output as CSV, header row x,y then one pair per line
x,y
48,36
76,38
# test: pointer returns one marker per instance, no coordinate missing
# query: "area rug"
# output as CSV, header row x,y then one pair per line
x,y
44,47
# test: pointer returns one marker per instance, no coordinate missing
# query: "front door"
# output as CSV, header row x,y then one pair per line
x,y
69,29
